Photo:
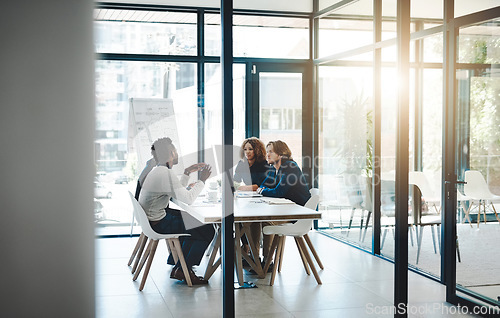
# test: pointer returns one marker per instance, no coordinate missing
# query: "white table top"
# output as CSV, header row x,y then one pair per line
x,y
248,210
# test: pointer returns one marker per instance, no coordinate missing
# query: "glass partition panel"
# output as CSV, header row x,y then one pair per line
x,y
463,7
213,104
479,159
389,102
426,173
117,82
261,36
389,30
345,133
326,3
478,44
144,32
433,48
339,35
280,101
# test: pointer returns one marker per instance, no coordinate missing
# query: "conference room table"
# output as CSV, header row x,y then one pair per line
x,y
247,209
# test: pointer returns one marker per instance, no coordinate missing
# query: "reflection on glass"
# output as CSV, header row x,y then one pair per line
x,y
433,48
478,44
425,175
345,133
280,103
145,32
477,223
388,132
336,35
478,155
116,83
213,104
261,36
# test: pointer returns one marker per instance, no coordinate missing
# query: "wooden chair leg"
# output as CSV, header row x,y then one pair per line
x,y
433,239
383,238
136,248
313,250
419,243
438,232
148,266
495,211
141,250
212,244
309,260
302,256
269,258
484,211
211,266
177,246
172,250
278,255
281,255
410,229
143,260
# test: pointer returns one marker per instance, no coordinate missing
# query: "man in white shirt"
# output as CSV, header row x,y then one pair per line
x,y
159,186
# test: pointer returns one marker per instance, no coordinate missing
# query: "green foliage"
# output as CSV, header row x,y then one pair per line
x,y
357,146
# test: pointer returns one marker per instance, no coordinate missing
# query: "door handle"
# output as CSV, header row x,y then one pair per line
x,y
457,182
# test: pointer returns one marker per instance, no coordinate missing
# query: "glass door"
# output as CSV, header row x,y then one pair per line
x,y
478,160
278,105
475,169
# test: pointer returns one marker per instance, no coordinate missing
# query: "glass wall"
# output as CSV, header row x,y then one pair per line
x,y
152,54
117,83
280,101
144,32
479,156
345,150
261,36
213,104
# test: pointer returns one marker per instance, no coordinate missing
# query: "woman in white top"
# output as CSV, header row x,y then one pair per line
x,y
160,185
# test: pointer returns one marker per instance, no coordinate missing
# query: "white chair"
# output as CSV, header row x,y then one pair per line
x,y
172,240
299,232
137,252
418,179
461,199
476,188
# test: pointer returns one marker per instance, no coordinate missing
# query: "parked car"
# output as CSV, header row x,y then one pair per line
x,y
98,210
122,179
101,191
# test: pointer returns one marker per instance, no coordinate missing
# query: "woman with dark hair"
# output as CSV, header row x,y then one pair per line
x,y
252,168
250,172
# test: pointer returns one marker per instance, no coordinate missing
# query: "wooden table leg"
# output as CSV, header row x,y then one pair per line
x,y
237,259
211,266
254,261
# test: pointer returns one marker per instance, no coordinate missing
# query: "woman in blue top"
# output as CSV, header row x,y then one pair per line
x,y
286,180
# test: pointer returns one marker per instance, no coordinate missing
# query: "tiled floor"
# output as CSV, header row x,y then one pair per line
x,y
355,284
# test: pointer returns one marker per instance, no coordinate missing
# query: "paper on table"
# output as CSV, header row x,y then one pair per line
x,y
277,201
247,194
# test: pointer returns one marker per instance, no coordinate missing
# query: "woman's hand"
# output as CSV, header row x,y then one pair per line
x,y
252,187
205,173
195,167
